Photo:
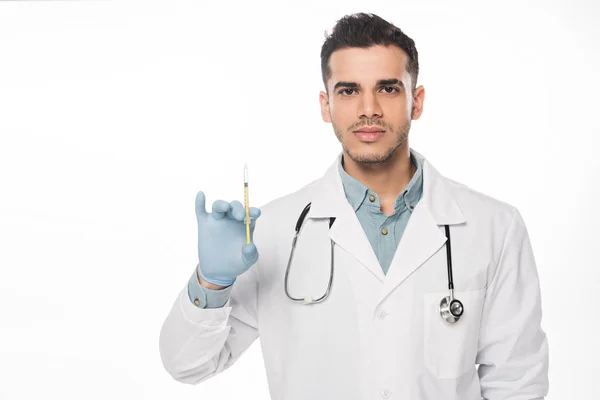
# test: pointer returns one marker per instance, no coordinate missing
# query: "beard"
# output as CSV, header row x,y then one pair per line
x,y
375,157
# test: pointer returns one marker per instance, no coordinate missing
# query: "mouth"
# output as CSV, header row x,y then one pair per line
x,y
369,134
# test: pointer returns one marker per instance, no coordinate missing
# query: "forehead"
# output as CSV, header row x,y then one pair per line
x,y
367,65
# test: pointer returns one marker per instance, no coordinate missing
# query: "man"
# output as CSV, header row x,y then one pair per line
x,y
380,330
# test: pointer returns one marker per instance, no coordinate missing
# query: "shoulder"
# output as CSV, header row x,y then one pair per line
x,y
279,216
482,207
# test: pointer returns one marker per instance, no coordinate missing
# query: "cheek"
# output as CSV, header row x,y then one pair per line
x,y
342,116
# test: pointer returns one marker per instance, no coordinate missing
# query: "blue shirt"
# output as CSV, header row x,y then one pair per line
x,y
384,232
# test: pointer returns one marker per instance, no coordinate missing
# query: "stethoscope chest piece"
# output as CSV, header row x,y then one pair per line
x,y
451,309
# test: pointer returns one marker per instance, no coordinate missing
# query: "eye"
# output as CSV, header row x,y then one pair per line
x,y
344,91
390,87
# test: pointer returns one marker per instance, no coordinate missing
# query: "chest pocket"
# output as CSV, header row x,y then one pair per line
x,y
450,349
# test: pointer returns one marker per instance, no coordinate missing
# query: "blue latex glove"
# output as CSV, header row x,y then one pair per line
x,y
223,254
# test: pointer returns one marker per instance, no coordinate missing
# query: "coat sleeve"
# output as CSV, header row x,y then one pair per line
x,y
513,348
197,343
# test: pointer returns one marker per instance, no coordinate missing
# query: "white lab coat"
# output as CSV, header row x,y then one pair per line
x,y
378,336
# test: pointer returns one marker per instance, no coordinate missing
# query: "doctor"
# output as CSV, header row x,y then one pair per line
x,y
389,224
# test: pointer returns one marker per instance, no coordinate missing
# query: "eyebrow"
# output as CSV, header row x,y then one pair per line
x,y
380,82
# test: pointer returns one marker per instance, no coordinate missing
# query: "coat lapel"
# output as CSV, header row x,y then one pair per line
x,y
420,240
424,234
330,200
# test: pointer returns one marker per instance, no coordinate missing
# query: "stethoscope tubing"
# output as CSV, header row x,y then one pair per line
x,y
450,308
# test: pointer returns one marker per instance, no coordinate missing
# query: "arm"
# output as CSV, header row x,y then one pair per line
x,y
198,343
513,348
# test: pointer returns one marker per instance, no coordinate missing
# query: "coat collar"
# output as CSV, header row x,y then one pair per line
x,y
329,199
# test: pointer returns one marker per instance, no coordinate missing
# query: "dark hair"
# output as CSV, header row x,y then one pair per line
x,y
365,30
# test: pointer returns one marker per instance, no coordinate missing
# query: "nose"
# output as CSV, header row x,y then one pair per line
x,y
369,106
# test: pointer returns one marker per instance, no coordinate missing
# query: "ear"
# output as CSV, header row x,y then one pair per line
x,y
325,110
418,99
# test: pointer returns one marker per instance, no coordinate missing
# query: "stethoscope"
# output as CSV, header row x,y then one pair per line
x,y
451,309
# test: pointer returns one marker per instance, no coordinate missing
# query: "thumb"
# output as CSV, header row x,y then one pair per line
x,y
200,204
249,254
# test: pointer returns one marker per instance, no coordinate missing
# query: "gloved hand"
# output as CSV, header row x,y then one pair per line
x,y
223,254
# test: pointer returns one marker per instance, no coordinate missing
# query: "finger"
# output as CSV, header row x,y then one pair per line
x,y
220,209
249,254
254,212
200,204
237,211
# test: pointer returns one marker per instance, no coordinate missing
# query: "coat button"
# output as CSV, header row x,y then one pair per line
x,y
197,302
384,231
372,198
381,314
385,394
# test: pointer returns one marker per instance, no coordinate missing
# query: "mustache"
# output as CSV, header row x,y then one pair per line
x,y
374,123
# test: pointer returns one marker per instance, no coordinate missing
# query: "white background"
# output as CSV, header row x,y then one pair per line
x,y
113,114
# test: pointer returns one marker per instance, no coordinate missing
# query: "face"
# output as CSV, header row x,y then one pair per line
x,y
370,88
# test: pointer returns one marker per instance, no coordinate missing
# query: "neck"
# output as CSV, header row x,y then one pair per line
x,y
387,179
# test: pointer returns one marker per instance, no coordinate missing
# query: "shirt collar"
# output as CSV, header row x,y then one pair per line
x,y
356,192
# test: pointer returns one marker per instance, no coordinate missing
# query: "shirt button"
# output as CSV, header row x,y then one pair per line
x,y
372,198
381,314
385,394
411,206
197,302
384,231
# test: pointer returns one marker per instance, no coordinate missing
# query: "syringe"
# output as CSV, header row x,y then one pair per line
x,y
246,206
